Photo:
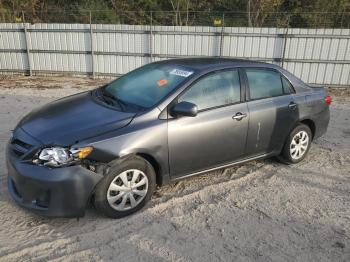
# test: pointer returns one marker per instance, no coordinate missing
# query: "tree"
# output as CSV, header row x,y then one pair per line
x,y
295,13
259,10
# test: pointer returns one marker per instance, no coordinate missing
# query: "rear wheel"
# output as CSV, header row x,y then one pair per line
x,y
127,186
297,145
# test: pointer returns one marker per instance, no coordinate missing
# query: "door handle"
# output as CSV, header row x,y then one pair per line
x,y
292,105
239,116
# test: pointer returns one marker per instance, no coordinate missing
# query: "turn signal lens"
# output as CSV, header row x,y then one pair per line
x,y
84,152
328,100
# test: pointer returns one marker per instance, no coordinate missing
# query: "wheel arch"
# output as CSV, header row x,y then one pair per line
x,y
156,166
162,176
311,124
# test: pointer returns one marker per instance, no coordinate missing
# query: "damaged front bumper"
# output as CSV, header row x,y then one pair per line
x,y
57,192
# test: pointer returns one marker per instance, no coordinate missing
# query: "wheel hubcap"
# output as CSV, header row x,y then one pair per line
x,y
127,190
299,145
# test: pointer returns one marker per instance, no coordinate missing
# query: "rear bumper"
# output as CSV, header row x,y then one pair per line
x,y
57,192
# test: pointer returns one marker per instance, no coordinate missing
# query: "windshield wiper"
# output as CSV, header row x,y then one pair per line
x,y
121,102
101,96
110,99
113,98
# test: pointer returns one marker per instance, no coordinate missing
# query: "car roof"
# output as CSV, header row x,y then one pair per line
x,y
208,63
202,64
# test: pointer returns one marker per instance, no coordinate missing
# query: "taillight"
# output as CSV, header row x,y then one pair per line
x,y
328,100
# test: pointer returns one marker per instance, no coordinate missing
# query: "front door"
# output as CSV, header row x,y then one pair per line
x,y
217,135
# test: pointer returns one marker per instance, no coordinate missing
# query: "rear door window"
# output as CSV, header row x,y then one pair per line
x,y
264,83
217,89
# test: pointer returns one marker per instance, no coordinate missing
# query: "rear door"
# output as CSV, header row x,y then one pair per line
x,y
216,135
272,108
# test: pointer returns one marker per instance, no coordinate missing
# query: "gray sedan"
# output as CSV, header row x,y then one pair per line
x,y
159,123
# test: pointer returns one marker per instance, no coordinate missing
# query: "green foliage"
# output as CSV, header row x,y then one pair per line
x,y
271,13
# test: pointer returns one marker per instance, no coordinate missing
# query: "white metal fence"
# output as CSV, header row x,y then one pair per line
x,y
318,56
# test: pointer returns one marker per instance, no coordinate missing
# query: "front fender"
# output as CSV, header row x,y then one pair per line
x,y
148,139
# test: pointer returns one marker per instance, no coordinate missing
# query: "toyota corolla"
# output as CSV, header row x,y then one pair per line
x,y
159,123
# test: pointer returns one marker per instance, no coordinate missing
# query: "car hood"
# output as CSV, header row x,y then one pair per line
x,y
72,119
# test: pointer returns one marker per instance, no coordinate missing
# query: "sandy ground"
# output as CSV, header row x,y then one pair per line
x,y
259,211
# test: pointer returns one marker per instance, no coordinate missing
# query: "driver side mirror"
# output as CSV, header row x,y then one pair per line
x,y
184,109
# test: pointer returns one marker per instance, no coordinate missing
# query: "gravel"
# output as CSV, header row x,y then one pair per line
x,y
258,211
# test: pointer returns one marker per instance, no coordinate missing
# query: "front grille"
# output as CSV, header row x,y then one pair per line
x,y
17,152
20,147
21,143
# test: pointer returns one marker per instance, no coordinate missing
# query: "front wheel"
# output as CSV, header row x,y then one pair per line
x,y
127,186
297,145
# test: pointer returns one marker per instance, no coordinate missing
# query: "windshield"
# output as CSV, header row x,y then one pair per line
x,y
147,85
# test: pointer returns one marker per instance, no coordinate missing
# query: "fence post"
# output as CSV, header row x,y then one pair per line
x,y
26,37
151,38
92,48
222,34
285,42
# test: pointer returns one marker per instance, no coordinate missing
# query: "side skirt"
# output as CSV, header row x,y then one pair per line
x,y
226,165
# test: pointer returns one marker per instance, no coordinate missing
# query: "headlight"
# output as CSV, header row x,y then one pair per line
x,y
58,156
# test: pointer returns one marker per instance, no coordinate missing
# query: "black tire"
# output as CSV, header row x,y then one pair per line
x,y
114,169
286,156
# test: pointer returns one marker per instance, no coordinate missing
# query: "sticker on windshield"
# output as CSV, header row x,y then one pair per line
x,y
182,73
162,82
